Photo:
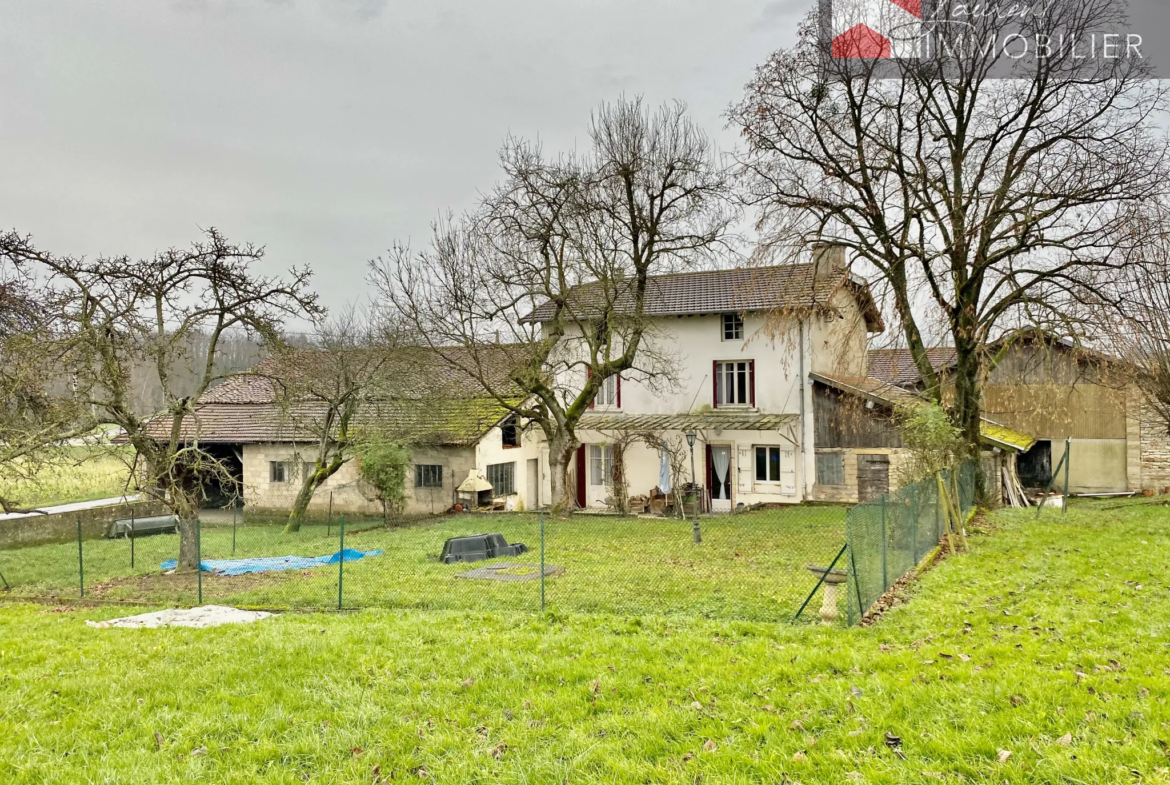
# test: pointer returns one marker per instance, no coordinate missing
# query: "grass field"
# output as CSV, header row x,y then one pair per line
x,y
750,566
82,474
1042,657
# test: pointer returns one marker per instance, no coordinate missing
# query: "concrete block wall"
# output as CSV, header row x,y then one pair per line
x,y
62,527
351,495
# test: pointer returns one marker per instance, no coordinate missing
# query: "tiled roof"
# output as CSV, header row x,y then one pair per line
x,y
753,289
896,366
420,397
887,395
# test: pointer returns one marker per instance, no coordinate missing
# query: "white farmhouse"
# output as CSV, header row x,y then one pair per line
x,y
744,343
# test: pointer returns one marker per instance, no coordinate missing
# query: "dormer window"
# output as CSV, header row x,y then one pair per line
x,y
732,327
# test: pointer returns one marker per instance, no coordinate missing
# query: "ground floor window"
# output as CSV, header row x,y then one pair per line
x,y
830,468
428,476
280,472
601,460
502,477
767,464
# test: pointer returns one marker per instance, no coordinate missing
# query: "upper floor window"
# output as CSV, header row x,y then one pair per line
x,y
732,327
610,393
510,429
735,383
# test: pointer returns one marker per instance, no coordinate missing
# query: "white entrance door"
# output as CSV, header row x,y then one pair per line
x,y
600,475
721,478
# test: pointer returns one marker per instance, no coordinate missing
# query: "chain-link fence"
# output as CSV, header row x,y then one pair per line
x,y
761,564
750,565
888,537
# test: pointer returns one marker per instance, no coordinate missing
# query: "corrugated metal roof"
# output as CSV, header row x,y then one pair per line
x,y
887,395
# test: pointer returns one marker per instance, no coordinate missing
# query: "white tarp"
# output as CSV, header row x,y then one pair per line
x,y
207,616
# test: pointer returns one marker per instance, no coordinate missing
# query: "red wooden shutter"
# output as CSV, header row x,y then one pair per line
x,y
581,476
710,469
619,391
715,385
589,375
752,380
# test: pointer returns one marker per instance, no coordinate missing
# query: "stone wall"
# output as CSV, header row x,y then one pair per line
x,y
848,493
62,527
1154,452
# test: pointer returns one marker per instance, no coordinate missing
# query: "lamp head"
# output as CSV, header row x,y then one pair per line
x,y
691,436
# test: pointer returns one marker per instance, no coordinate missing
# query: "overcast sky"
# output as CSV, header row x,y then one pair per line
x,y
326,129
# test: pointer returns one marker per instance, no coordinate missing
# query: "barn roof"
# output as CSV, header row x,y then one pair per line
x,y
889,396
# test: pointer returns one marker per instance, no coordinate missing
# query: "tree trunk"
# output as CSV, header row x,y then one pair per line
x,y
968,408
560,455
301,505
188,547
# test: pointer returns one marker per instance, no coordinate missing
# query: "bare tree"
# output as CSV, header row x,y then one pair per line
x,y
36,421
1001,201
328,392
1141,336
558,259
116,311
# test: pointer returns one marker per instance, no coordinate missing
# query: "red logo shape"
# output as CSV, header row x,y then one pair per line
x,y
863,42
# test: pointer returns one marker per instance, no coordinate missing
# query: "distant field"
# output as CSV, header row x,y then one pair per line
x,y
83,474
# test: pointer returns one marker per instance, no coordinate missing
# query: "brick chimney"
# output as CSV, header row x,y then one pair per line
x,y
828,262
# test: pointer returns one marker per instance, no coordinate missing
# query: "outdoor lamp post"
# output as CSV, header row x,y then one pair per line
x,y
691,436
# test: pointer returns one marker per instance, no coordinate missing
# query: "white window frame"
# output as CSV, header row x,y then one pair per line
x,y
769,450
733,323
607,394
600,465
738,368
285,470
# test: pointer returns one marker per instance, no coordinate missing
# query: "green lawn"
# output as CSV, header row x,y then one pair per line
x,y
750,566
1051,642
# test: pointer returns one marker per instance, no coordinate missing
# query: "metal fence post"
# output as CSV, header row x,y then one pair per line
x,y
329,520
914,513
1067,467
341,565
80,561
885,547
199,557
542,561
235,511
132,538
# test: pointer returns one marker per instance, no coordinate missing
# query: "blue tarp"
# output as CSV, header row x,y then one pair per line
x,y
272,563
